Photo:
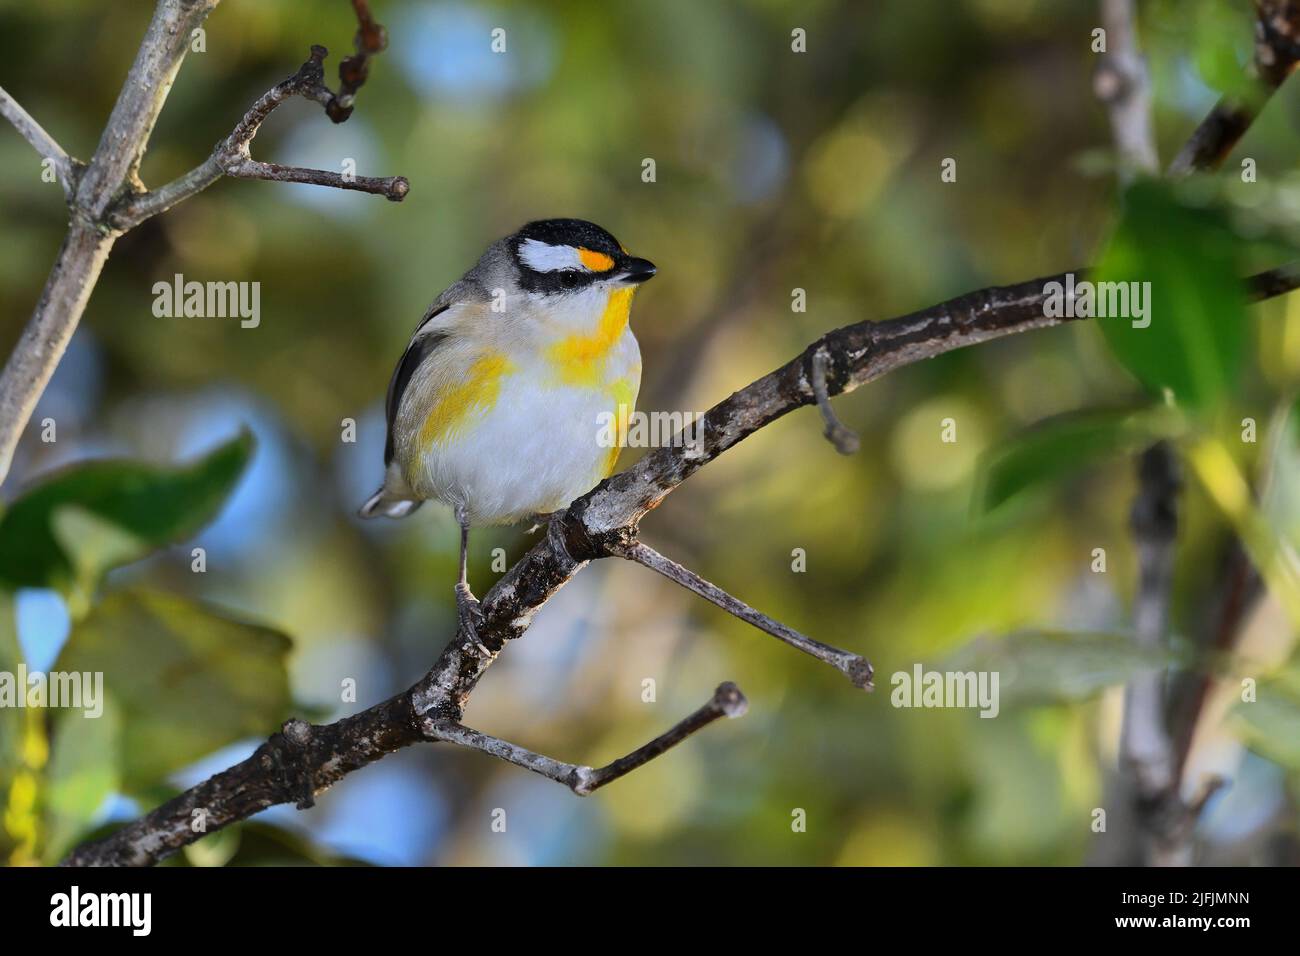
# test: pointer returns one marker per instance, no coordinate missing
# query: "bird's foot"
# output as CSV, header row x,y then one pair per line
x,y
468,618
540,521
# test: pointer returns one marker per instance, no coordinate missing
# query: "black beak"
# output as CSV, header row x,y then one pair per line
x,y
636,271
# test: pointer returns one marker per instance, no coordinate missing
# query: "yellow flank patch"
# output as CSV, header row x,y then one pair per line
x,y
581,359
624,402
480,389
595,261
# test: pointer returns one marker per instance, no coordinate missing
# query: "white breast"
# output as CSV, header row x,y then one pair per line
x,y
538,448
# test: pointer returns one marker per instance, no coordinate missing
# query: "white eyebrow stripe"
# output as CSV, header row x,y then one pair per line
x,y
545,257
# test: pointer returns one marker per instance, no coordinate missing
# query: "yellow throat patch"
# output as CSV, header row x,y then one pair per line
x,y
581,359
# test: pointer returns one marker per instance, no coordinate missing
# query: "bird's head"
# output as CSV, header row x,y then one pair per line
x,y
558,257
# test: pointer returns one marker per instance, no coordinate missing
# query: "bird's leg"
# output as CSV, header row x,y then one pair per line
x,y
468,614
540,521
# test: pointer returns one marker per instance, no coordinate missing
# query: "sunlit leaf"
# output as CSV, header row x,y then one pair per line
x,y
93,545
187,679
1195,334
136,508
1280,497
1066,444
84,770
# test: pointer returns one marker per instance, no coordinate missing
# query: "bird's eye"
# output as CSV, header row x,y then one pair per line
x,y
570,278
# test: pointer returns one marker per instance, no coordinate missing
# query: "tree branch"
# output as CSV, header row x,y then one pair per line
x,y
837,433
1145,745
232,157
1121,83
41,141
371,38
1277,50
856,668
87,244
727,701
107,198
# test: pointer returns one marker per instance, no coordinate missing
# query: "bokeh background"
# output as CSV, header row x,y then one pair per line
x,y
775,171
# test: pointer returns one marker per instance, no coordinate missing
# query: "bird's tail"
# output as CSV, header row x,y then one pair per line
x,y
385,503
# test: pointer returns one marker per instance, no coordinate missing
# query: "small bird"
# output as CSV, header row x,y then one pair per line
x,y
503,403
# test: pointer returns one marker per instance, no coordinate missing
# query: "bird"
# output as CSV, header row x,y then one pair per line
x,y
514,394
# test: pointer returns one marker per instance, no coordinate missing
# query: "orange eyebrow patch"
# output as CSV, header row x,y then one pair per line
x,y
595,261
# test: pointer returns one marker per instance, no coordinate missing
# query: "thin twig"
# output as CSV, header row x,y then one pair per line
x,y
393,188
1121,83
856,668
727,701
232,156
41,141
1277,50
371,38
837,433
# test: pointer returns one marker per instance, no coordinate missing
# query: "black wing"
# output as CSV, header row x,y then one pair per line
x,y
420,348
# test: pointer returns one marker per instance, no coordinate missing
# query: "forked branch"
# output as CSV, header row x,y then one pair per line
x,y
41,141
727,701
106,198
232,156
855,667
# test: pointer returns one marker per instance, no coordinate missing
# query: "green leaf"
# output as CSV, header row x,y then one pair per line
x,y
1037,667
67,531
1271,723
1059,446
1196,336
84,770
186,678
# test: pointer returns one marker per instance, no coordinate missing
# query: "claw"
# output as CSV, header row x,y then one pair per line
x,y
468,617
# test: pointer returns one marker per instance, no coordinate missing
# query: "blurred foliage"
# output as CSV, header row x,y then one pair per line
x,y
775,171
186,678
1037,668
85,770
1055,448
73,527
1271,720
1190,334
